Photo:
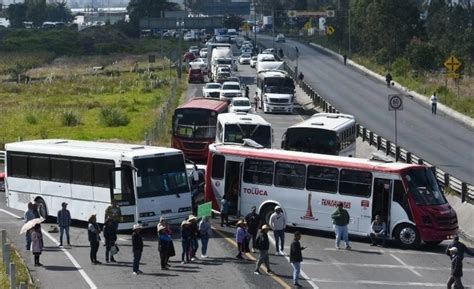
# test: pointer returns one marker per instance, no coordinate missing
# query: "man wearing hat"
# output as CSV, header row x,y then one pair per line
x,y
164,245
114,213
340,220
194,229
262,244
253,223
64,221
278,224
456,269
460,247
137,245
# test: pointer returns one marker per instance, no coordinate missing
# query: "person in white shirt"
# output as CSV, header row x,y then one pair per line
x,y
377,231
434,102
278,224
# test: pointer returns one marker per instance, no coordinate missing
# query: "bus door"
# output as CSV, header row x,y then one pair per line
x,y
381,200
232,185
122,191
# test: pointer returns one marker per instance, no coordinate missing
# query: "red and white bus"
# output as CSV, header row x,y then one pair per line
x,y
308,186
194,126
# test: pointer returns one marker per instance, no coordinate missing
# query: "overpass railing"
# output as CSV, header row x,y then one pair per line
x,y
465,190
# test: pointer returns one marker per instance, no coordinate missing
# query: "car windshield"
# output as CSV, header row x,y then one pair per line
x,y
242,102
161,176
195,123
423,186
213,86
246,55
231,87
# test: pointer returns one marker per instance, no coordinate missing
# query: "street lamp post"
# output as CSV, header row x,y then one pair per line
x,y
179,24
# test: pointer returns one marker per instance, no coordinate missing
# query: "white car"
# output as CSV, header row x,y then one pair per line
x,y
280,38
199,63
247,43
245,58
188,37
212,89
253,61
203,52
240,104
269,51
229,90
194,50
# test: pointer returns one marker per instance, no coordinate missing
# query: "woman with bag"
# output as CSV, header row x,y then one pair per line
x,y
93,232
110,236
36,243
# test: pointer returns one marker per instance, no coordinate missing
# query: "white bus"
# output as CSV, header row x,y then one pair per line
x,y
234,127
323,133
147,182
308,187
276,91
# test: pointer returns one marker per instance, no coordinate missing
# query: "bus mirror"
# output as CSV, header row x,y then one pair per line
x,y
139,182
196,175
283,144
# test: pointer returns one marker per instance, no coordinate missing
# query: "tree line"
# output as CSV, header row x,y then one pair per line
x,y
38,12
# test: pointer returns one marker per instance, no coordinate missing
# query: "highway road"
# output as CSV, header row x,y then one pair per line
x,y
439,139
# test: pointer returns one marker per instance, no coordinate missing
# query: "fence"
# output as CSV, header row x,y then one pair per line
x,y
400,154
153,135
10,267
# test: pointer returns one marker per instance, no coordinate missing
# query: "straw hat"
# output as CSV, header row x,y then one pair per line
x,y
192,218
136,227
240,222
161,227
266,227
453,249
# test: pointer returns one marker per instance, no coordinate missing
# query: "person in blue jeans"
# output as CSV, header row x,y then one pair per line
x,y
205,232
137,245
340,220
296,257
278,224
64,221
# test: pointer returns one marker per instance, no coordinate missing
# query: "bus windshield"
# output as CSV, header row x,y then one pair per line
x,y
423,186
161,176
235,133
312,140
279,85
195,123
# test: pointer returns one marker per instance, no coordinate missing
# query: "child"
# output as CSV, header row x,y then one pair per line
x,y
240,237
36,243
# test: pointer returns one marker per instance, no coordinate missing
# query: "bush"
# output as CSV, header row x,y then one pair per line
x,y
70,118
422,56
113,116
31,118
381,56
401,66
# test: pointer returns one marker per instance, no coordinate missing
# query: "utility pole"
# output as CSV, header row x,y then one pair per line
x,y
255,22
349,20
273,26
180,24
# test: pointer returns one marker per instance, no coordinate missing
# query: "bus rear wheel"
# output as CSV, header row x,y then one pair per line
x,y
407,236
267,212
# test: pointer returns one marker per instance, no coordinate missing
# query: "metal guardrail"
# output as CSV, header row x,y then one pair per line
x,y
465,190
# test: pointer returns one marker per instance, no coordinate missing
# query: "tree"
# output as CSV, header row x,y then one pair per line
x,y
36,11
58,12
138,9
17,14
234,22
301,5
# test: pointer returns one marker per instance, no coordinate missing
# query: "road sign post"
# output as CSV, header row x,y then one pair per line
x,y
395,103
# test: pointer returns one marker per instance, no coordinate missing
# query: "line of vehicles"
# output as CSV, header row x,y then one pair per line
x,y
218,150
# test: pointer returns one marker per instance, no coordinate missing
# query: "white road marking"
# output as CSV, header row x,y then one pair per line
x,y
65,251
388,283
381,251
302,273
405,264
383,266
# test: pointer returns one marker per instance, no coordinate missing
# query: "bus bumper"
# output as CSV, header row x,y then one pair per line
x,y
288,108
434,234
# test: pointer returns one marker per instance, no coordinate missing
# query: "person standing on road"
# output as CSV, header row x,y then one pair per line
x,y
164,246
296,257
225,204
185,241
29,215
340,220
456,269
205,232
434,102
377,231
278,224
93,232
255,101
247,91
110,236
36,243
345,59
460,247
388,79
240,237
137,246
169,232
253,223
300,78
263,244
64,221
194,229
113,212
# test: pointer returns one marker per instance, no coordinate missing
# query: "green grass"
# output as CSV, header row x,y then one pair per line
x,y
22,274
38,110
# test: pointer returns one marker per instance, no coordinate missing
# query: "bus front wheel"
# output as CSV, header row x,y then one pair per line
x,y
407,236
267,212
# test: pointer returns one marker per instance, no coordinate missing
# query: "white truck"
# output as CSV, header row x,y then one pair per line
x,y
221,56
269,65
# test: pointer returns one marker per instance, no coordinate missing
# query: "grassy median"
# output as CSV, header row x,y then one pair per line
x,y
22,274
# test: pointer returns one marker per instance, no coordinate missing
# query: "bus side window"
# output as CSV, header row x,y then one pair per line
x,y
218,165
17,165
400,197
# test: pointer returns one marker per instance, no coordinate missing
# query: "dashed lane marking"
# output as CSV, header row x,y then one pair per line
x,y
251,257
65,251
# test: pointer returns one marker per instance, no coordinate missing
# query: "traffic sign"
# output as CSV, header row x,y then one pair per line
x,y
452,63
395,102
245,27
330,30
291,13
330,13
